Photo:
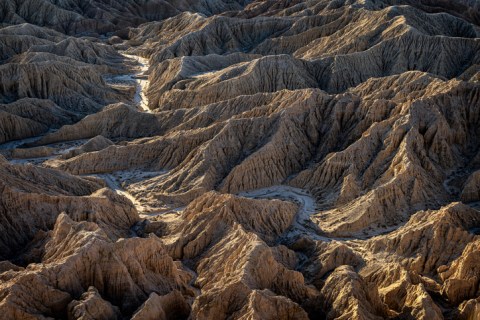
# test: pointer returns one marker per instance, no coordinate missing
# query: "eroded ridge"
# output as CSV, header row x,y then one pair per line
x,y
240,159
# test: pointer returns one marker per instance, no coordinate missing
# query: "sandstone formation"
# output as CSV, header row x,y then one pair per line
x,y
261,159
33,197
136,267
96,18
95,144
92,306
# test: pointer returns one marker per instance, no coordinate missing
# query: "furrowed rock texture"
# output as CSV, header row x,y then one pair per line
x,y
170,306
471,189
92,306
33,197
95,18
95,144
66,85
358,302
403,292
49,79
295,135
430,239
225,232
132,267
29,117
114,121
263,159
461,277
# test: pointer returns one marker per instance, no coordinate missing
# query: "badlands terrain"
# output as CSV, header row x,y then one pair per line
x,y
240,159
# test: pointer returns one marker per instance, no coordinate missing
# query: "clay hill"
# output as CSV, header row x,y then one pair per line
x,y
240,159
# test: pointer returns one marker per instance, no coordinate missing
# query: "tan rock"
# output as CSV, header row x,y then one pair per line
x,y
469,309
209,217
92,306
471,190
95,144
169,306
263,304
404,292
33,197
369,110
430,239
80,255
346,296
461,277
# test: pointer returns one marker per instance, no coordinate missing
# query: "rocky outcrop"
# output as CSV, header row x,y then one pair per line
x,y
236,80
261,159
469,309
223,232
169,306
91,306
263,304
33,197
73,17
30,117
205,220
471,190
28,153
50,79
114,121
16,128
346,296
133,268
95,144
387,166
430,239
67,85
405,293
461,277
327,257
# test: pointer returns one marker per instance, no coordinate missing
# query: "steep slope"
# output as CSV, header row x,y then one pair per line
x,y
240,159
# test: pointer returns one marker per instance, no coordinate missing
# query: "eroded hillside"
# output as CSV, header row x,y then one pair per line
x,y
240,159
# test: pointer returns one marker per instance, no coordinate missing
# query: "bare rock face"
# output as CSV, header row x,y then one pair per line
x,y
259,159
114,121
471,189
461,277
327,257
16,128
33,197
402,291
263,304
50,79
347,297
31,117
74,17
95,144
430,239
55,74
89,258
238,79
92,306
169,306
267,219
223,236
469,309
